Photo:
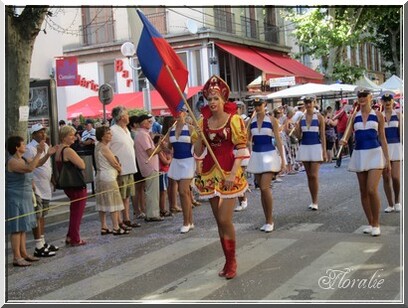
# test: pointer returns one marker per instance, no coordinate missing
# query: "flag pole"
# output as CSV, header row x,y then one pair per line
x,y
195,121
156,150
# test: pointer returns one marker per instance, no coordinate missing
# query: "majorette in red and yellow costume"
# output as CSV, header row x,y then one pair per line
x,y
223,140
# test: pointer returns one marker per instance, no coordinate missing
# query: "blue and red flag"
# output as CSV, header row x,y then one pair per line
x,y
154,53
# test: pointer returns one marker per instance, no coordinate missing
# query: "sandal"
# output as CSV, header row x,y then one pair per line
x,y
132,224
105,231
196,203
120,231
31,258
176,209
124,227
141,216
21,262
165,213
80,243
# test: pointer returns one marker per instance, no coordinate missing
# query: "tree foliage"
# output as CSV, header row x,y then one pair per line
x,y
385,34
325,32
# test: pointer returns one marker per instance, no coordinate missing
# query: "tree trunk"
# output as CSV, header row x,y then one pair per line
x,y
20,33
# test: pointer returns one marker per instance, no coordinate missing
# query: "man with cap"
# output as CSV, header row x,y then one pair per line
x,y
87,149
392,124
300,111
341,116
42,187
88,135
149,168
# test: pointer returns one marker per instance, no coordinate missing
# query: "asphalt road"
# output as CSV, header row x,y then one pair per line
x,y
311,257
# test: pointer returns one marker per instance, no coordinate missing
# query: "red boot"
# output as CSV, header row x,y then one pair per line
x,y
231,265
222,272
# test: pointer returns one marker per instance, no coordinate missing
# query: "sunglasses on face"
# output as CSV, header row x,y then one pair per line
x,y
308,101
362,95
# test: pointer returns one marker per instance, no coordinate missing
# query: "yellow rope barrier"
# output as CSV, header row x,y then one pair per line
x,y
79,199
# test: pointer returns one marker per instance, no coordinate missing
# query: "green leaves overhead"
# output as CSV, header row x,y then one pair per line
x,y
321,29
325,32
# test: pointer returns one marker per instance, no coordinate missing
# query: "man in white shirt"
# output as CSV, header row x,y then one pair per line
x,y
43,188
122,147
300,111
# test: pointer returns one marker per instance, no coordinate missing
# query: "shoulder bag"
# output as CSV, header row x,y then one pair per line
x,y
70,175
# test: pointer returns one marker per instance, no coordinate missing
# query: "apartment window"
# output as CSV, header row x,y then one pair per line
x,y
157,16
197,66
224,19
109,75
271,29
97,25
249,25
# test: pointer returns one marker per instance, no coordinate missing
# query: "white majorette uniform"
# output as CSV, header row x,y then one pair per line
x,y
392,134
367,153
310,148
182,166
264,157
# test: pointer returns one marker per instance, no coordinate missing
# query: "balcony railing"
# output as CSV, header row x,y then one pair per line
x,y
271,33
224,21
159,21
249,27
98,33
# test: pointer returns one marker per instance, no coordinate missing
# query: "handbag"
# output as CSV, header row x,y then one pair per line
x,y
70,176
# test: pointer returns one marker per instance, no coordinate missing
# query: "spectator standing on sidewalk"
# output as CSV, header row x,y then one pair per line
x,y
165,157
149,168
43,188
342,119
122,147
138,199
108,198
77,195
19,198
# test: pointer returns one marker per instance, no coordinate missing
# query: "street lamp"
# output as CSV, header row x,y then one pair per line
x,y
128,50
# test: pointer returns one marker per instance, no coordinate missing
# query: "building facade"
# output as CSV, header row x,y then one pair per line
x,y
244,45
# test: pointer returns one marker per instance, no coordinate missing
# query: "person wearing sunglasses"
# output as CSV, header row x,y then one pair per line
x,y
369,158
312,150
265,162
392,121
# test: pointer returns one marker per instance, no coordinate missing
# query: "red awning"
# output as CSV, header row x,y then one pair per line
x,y
253,58
303,73
91,107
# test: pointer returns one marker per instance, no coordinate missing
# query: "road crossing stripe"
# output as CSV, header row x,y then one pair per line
x,y
341,256
103,281
205,280
303,227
